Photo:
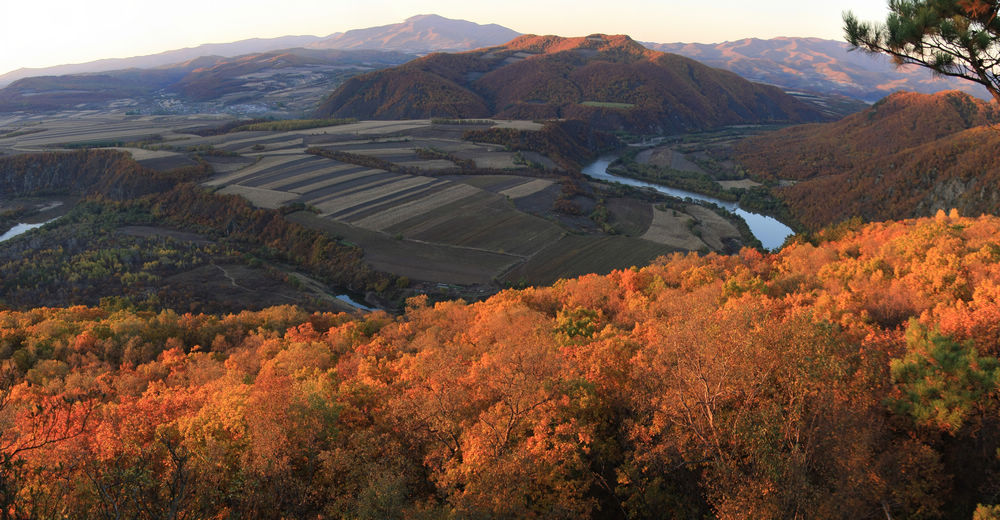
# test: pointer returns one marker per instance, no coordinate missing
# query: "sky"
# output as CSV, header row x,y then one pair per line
x,y
42,33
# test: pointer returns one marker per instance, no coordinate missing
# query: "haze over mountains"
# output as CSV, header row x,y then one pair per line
x,y
801,64
421,34
416,35
253,45
817,65
292,80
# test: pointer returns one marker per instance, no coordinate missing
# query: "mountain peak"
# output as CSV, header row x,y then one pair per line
x,y
609,81
550,44
419,34
429,17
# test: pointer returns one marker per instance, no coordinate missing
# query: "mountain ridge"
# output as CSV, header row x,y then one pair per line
x,y
296,78
610,81
800,64
818,65
431,24
166,58
420,34
908,155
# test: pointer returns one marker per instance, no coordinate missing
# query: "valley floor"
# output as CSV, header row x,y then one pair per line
x,y
404,193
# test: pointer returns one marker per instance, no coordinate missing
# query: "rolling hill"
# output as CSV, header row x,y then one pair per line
x,y
610,81
420,34
906,156
816,65
294,79
417,35
239,48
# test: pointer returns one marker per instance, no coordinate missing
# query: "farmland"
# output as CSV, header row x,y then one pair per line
x,y
446,213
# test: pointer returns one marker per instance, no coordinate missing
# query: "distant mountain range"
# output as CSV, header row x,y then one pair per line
x,y
906,156
421,34
815,65
417,35
610,81
223,50
294,79
803,66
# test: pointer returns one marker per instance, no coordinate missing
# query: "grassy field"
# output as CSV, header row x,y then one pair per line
x,y
526,189
675,229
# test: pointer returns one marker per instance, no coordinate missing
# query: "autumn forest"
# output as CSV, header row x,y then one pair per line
x,y
852,374
428,276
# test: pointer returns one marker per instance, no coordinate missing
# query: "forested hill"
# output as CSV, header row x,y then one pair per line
x,y
262,77
108,173
610,81
853,378
906,156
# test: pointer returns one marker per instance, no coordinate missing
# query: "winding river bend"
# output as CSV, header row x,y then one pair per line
x,y
769,230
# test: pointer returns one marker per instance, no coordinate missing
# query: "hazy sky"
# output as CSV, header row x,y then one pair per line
x,y
39,33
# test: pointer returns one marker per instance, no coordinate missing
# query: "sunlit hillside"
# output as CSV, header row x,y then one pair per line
x,y
853,376
612,82
906,156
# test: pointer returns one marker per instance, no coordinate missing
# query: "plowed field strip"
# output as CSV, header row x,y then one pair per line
x,y
263,198
344,177
286,170
528,188
356,182
409,210
358,197
486,221
286,183
415,226
383,203
254,169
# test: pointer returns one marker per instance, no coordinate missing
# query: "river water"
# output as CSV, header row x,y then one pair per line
x,y
769,230
19,229
356,304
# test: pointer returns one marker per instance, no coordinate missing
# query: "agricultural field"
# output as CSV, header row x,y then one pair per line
x,y
422,202
706,156
20,133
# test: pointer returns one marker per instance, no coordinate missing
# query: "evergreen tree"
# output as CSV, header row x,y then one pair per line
x,y
958,38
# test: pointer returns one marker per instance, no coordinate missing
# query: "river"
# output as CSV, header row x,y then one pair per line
x,y
354,303
769,230
19,229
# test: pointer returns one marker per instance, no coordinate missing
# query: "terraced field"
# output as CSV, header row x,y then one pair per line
x,y
411,208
